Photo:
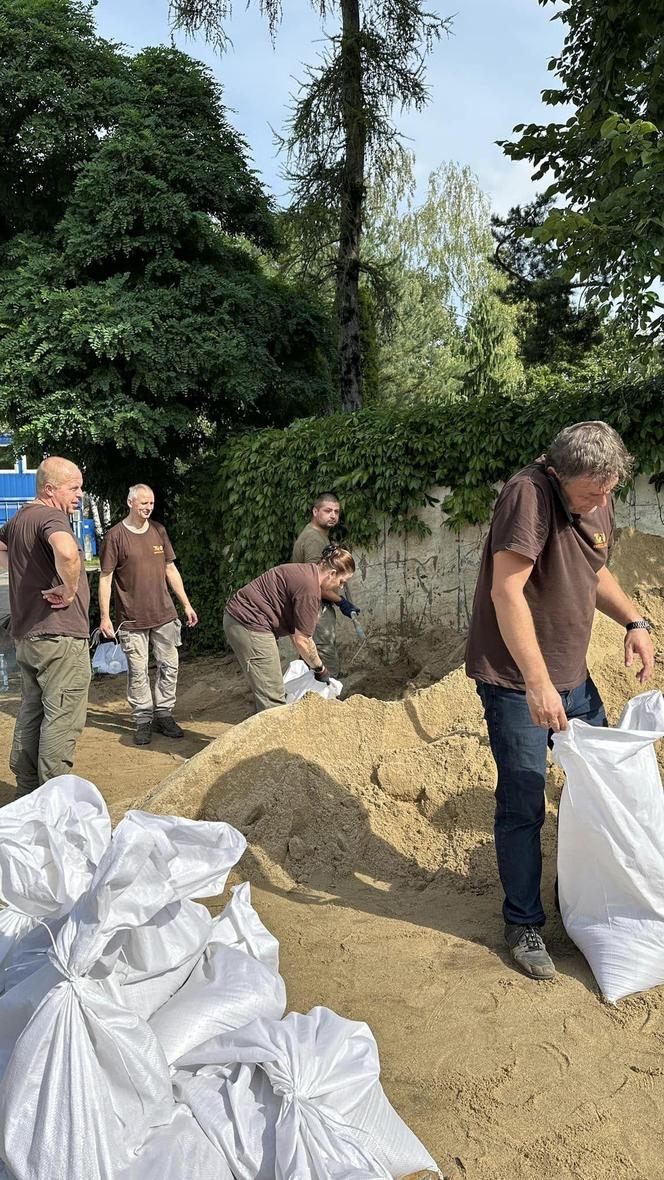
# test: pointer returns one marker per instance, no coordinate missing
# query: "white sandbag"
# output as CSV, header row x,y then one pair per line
x,y
328,1118
156,959
86,1080
299,679
230,986
179,1150
611,847
159,956
238,1109
239,926
51,842
200,854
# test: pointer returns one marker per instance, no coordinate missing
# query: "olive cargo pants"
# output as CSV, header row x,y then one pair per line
x,y
258,656
55,677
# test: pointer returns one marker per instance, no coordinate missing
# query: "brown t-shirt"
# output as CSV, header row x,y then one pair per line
x,y
530,518
310,544
283,600
32,569
138,564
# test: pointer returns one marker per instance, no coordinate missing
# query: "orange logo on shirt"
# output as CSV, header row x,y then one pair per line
x,y
599,541
157,549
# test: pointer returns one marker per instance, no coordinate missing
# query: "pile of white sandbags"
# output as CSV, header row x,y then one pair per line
x,y
141,1039
611,846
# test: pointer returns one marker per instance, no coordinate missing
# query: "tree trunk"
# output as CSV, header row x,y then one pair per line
x,y
352,202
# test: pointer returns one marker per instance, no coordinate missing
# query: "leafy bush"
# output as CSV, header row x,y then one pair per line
x,y
246,503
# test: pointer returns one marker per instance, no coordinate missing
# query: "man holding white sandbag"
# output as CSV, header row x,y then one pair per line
x,y
543,574
285,600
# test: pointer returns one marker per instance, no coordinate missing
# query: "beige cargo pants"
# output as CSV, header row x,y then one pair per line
x,y
55,677
258,656
164,641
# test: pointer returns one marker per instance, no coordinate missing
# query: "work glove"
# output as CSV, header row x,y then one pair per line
x,y
347,608
322,674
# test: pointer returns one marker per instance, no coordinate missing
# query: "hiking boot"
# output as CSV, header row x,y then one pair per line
x,y
143,734
528,951
164,723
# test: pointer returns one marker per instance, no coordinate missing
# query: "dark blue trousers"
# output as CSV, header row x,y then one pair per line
x,y
519,749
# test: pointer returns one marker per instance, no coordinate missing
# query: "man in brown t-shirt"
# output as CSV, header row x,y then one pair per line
x,y
138,559
48,601
542,576
285,600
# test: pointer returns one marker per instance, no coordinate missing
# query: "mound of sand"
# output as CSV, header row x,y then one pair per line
x,y
394,790
369,825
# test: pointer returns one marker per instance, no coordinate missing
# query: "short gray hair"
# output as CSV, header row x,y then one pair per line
x,y
138,487
593,449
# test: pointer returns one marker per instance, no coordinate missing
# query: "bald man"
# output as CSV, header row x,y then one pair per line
x,y
137,556
49,599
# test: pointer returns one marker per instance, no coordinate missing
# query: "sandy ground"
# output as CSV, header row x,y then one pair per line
x,y
370,852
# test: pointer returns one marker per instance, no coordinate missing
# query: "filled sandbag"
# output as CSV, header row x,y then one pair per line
x,y
51,842
299,679
235,981
300,1097
156,958
84,1079
611,846
178,1150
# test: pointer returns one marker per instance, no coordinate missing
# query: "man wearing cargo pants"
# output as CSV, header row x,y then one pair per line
x,y
138,558
49,599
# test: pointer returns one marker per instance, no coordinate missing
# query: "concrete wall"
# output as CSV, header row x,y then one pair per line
x,y
407,584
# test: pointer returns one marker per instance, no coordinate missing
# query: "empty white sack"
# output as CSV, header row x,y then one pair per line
x,y
611,846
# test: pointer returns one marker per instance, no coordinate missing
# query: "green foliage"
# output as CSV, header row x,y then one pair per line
x,y
606,161
433,255
246,503
60,88
145,324
551,325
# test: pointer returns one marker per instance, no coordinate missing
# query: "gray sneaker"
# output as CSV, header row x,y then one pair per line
x,y
528,951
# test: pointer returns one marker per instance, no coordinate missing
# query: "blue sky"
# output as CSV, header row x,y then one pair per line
x,y
484,78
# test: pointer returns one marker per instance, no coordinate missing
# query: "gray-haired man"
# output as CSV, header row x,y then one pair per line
x,y
138,558
542,576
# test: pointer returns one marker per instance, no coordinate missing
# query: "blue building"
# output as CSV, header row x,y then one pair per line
x,y
18,485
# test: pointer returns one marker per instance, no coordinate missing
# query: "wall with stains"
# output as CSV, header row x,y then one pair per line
x,y
408,584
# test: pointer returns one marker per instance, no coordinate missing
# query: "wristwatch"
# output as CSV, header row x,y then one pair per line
x,y
638,625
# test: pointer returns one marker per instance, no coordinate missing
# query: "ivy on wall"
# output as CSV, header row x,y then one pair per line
x,y
245,505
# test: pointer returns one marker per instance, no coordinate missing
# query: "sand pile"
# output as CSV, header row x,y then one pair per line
x,y
395,791
370,831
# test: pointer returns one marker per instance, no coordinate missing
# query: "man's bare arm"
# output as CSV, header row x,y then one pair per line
x,y
510,574
612,601
306,647
174,579
105,624
4,556
68,566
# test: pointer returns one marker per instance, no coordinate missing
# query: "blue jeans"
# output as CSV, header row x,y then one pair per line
x,y
519,751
